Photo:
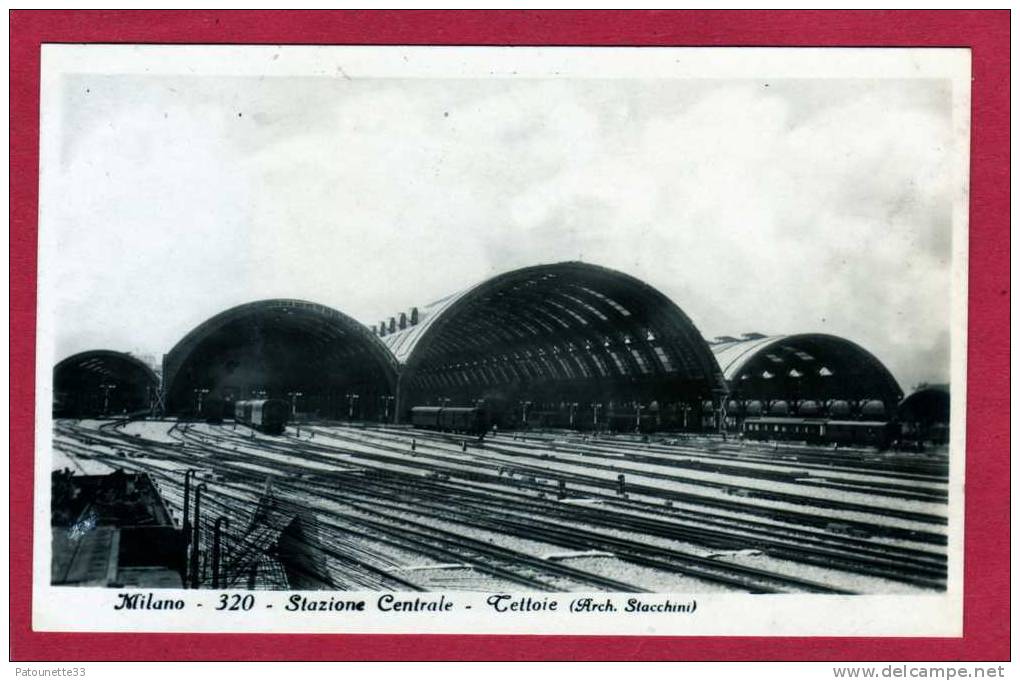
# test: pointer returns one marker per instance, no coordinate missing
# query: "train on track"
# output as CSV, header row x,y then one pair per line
x,y
267,416
471,420
817,430
879,434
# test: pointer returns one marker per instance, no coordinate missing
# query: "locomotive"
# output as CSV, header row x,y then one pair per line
x,y
267,416
453,419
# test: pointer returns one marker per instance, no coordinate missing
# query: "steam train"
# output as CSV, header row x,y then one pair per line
x,y
267,416
451,419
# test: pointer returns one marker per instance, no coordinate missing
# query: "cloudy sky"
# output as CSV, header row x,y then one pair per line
x,y
778,206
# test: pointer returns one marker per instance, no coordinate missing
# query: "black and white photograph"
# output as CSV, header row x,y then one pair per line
x,y
485,338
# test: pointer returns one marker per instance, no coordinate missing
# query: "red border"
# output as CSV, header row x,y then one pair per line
x,y
986,619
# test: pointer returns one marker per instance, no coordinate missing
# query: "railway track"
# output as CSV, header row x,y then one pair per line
x,y
895,486
817,545
485,517
800,477
922,570
896,465
561,539
511,566
915,568
361,572
779,467
442,462
480,462
381,500
908,467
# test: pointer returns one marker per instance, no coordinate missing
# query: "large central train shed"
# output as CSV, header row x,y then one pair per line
x,y
568,344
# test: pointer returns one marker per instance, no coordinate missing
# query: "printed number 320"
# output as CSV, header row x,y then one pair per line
x,y
236,602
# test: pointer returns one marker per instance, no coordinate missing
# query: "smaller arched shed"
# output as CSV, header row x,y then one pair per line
x,y
808,375
102,382
925,414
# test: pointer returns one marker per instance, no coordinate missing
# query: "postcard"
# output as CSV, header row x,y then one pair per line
x,y
501,340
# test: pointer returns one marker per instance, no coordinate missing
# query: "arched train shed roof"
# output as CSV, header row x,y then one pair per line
x,y
107,365
614,325
807,354
929,404
313,333
102,382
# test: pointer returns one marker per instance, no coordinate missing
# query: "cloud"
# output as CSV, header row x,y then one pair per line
x,y
796,206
